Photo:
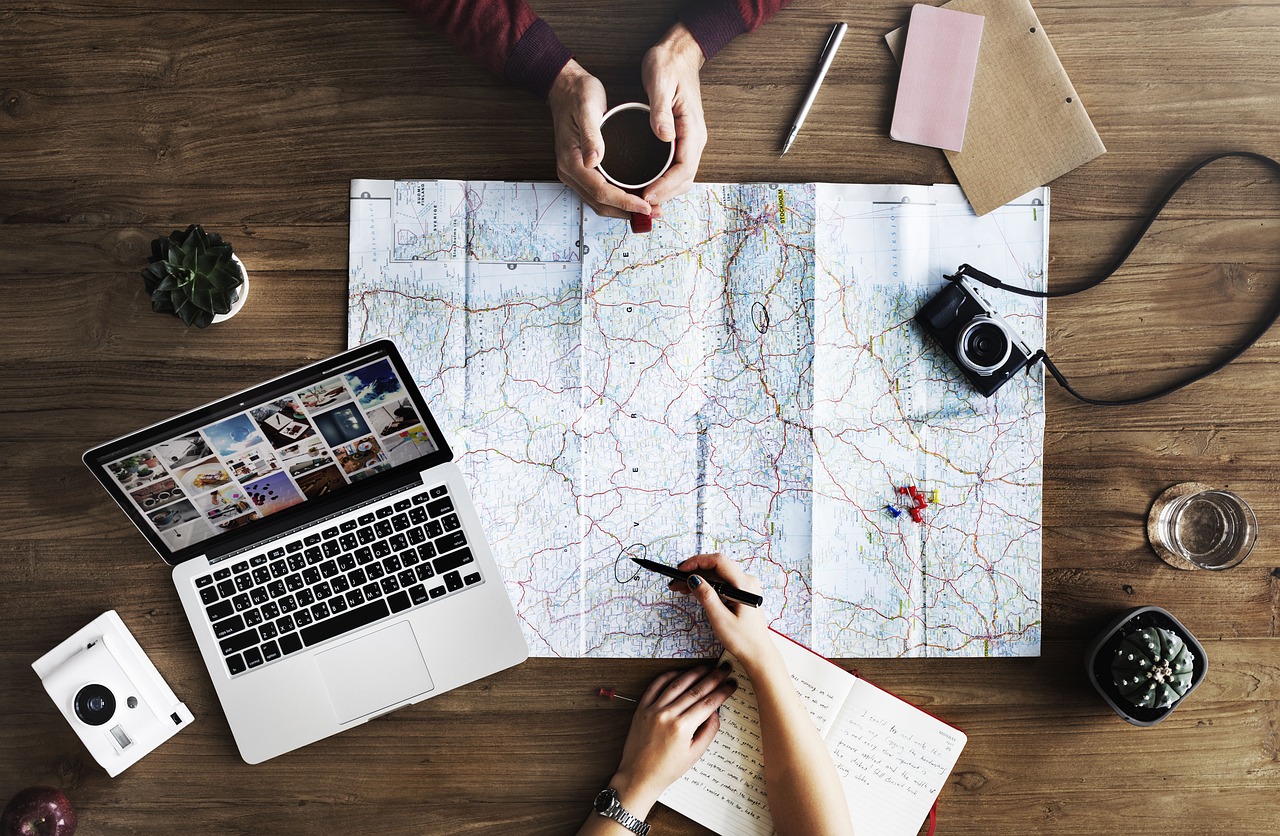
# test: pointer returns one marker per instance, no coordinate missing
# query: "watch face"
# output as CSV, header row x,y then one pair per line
x,y
605,800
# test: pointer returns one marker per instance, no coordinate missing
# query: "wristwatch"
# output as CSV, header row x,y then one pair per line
x,y
607,805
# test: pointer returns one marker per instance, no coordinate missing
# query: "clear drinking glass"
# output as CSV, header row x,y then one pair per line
x,y
1194,526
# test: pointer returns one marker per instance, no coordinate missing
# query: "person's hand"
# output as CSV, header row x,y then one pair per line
x,y
670,72
740,628
673,725
577,101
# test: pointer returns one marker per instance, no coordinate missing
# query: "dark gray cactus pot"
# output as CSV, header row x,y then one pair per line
x,y
1102,650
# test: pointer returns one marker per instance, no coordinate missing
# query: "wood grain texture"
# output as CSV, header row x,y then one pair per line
x,y
122,120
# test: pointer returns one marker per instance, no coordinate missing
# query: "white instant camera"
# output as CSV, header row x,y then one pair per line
x,y
111,694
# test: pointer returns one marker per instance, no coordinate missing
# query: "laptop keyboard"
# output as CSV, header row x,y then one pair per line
x,y
309,589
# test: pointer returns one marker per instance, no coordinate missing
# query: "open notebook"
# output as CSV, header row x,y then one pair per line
x,y
892,757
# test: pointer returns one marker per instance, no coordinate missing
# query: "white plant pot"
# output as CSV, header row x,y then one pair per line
x,y
243,294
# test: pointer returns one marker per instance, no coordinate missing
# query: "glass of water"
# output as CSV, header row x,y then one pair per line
x,y
1194,526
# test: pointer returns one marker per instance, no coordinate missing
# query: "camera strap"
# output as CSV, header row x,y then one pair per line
x,y
968,271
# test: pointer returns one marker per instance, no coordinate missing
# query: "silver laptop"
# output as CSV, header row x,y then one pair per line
x,y
324,546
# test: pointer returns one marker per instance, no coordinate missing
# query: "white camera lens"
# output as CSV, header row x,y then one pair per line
x,y
95,704
983,345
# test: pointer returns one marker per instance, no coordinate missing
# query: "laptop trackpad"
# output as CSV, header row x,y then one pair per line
x,y
374,672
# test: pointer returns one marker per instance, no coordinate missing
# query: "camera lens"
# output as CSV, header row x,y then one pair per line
x,y
95,704
983,345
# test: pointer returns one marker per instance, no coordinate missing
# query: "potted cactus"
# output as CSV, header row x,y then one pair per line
x,y
1144,664
195,276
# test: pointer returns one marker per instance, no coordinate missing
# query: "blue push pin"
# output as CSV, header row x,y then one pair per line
x,y
894,511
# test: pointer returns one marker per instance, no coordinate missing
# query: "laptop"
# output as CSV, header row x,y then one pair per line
x,y
325,548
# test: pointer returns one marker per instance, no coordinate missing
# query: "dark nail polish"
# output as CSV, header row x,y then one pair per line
x,y
725,666
694,581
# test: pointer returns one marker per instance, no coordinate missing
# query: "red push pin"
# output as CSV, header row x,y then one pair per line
x,y
610,694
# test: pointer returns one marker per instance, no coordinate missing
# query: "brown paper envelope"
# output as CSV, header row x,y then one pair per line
x,y
1026,123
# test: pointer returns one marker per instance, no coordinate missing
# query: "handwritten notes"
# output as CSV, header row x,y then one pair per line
x,y
892,757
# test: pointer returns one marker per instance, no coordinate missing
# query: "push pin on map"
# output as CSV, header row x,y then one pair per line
x,y
918,502
610,694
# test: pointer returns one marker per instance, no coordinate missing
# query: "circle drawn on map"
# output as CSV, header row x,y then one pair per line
x,y
760,316
624,562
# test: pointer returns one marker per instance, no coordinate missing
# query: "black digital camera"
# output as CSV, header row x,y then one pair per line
x,y
974,336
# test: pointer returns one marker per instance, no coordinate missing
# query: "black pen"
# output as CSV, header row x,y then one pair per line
x,y
726,590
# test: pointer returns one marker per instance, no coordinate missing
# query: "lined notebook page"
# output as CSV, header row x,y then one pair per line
x,y
893,758
724,790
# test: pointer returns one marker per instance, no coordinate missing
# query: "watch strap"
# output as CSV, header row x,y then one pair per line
x,y
622,816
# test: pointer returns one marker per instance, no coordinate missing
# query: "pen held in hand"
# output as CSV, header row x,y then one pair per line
x,y
726,590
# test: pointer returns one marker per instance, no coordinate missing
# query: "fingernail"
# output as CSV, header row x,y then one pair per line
x,y
732,683
725,666
649,198
694,581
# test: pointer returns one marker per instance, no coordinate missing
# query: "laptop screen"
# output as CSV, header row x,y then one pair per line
x,y
286,452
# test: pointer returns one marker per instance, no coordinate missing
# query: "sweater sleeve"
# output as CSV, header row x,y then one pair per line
x,y
504,35
714,23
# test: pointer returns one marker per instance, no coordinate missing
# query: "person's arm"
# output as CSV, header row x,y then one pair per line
x,y
805,794
674,723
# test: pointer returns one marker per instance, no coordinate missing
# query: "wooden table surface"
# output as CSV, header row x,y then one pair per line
x,y
120,121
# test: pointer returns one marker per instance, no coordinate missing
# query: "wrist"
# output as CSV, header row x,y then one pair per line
x,y
635,795
570,77
681,43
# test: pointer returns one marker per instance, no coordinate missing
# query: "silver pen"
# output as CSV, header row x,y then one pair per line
x,y
824,64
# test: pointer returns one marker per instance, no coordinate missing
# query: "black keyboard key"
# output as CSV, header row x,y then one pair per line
x,y
222,609
416,535
434,529
253,657
270,610
349,525
357,577
418,516
398,543
276,588
365,519
425,571
227,626
320,611
419,594
311,539
392,563
474,577
242,566
451,522
390,584
355,598
452,560
322,590
420,498
436,592
296,562
374,571
451,541
338,604
366,536
348,542
261,575
314,555
226,588
303,618
222,574
294,582
268,631
258,595
385,512
440,507
235,664
305,598
340,584
409,557
261,559
208,595
426,551
363,555
440,491
243,582
286,625
278,551
287,604
311,575
270,651
253,617
406,578
278,569
204,580
291,643
453,581
347,562
331,548
400,522
381,549
399,602
371,591
403,504
383,528
238,642
350,620
329,568
295,546
330,532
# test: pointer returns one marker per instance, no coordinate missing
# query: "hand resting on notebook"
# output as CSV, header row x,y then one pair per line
x,y
677,718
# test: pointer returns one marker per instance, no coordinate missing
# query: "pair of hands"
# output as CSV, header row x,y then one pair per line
x,y
676,718
577,99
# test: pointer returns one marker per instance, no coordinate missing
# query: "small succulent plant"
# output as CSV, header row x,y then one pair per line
x,y
1152,667
193,276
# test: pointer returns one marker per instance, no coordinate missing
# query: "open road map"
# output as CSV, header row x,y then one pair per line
x,y
747,379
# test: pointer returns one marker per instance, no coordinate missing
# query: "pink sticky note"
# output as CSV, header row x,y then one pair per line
x,y
938,66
